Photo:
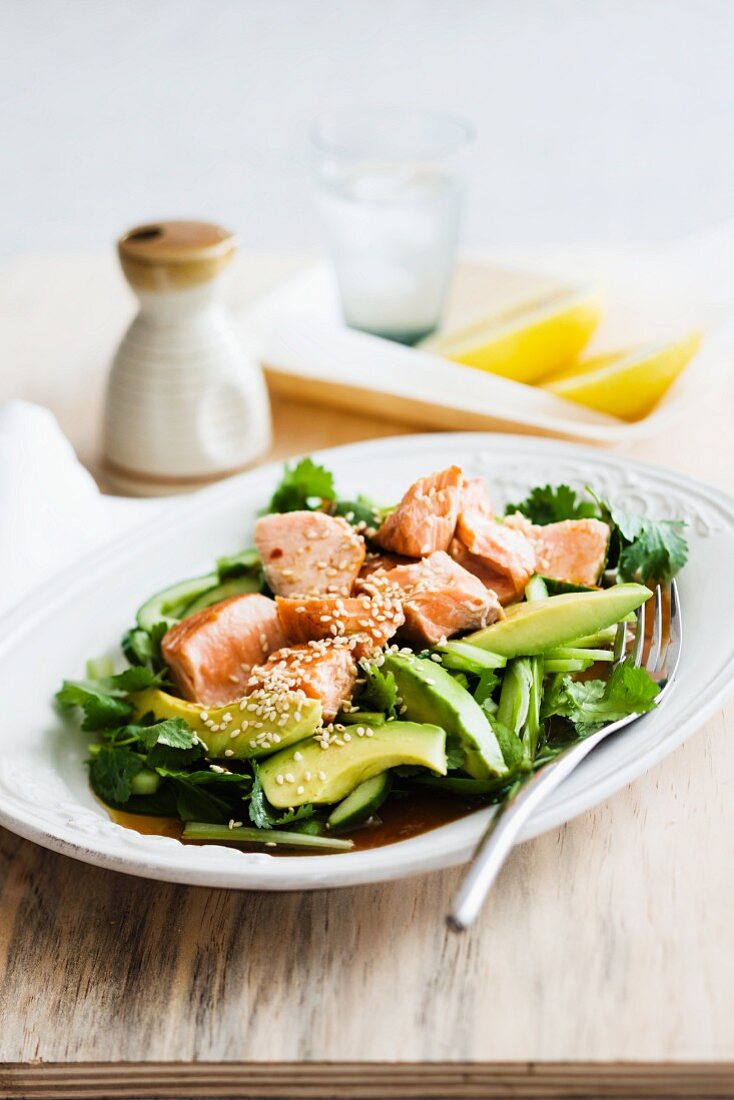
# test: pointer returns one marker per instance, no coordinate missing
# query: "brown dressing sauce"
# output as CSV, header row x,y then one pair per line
x,y
400,818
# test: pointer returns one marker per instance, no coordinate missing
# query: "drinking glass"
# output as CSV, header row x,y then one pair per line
x,y
390,194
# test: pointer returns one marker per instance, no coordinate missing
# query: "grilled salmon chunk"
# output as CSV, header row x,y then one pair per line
x,y
572,550
324,670
439,598
503,587
368,621
425,519
501,547
309,553
210,654
375,561
475,498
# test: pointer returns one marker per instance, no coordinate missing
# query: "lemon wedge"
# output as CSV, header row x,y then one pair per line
x,y
529,341
625,384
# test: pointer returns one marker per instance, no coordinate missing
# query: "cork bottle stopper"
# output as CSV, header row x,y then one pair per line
x,y
174,255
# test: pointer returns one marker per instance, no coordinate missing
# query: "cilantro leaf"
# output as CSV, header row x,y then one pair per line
x,y
264,816
551,504
510,743
238,565
589,704
300,813
143,647
301,486
361,510
193,803
653,549
166,756
260,813
380,692
173,732
455,757
133,679
111,771
205,777
488,681
101,709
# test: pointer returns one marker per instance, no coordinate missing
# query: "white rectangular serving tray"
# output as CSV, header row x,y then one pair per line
x,y
309,354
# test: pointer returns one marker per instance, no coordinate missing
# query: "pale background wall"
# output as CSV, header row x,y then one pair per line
x,y
604,120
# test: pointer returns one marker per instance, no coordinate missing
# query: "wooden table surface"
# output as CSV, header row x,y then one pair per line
x,y
603,964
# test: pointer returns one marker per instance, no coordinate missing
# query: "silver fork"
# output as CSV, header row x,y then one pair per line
x,y
507,823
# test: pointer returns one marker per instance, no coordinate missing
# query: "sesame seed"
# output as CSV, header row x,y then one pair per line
x,y
229,752
279,779
298,756
300,790
322,776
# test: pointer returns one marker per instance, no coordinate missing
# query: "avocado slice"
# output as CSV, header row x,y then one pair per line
x,y
216,730
309,773
430,693
530,629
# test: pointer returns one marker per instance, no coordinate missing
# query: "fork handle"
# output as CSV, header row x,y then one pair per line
x,y
506,825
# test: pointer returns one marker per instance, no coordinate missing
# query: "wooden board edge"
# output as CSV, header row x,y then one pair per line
x,y
367,1081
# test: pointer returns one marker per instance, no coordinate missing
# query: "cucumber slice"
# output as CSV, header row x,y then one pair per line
x,y
536,588
361,803
234,565
168,605
517,685
565,665
271,838
100,667
468,658
600,638
560,588
237,586
574,653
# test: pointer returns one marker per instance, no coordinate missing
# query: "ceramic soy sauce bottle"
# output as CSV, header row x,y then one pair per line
x,y
185,402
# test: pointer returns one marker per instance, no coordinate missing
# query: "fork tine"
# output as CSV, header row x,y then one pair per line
x,y
668,664
654,653
639,637
675,631
620,643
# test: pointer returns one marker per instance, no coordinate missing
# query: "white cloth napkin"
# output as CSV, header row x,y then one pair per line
x,y
51,511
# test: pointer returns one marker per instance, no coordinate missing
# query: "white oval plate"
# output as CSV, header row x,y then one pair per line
x,y
82,613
